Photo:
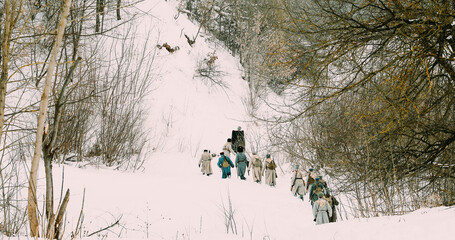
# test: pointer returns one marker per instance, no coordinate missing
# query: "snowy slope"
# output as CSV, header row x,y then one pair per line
x,y
171,199
182,202
186,114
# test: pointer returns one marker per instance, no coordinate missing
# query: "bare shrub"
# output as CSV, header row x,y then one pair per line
x,y
208,70
229,215
367,98
120,113
13,215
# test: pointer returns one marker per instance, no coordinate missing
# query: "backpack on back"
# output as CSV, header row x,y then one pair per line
x,y
319,188
271,165
225,162
329,200
257,163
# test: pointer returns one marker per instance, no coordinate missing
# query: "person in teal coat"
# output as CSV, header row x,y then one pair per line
x,y
241,162
225,163
316,187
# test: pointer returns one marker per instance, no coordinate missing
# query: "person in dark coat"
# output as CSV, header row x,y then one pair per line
x,y
333,203
241,162
310,178
238,139
322,181
225,163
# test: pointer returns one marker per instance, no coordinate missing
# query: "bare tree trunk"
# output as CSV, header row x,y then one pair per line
x,y
49,147
32,200
59,219
9,22
119,4
97,21
100,6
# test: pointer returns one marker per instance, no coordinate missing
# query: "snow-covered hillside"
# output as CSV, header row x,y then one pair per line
x,y
187,113
171,199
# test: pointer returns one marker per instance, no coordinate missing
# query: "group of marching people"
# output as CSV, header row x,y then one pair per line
x,y
259,168
322,202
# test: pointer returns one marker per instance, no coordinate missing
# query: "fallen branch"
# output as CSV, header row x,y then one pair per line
x,y
106,228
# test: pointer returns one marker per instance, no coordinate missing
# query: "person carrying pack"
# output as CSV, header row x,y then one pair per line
x,y
310,178
322,210
256,165
333,203
271,165
316,188
257,161
225,164
323,183
227,148
269,170
238,139
298,184
205,163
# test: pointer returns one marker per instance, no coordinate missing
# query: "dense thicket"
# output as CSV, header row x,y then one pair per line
x,y
94,113
368,89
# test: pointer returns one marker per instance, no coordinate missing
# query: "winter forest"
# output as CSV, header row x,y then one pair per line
x,y
107,106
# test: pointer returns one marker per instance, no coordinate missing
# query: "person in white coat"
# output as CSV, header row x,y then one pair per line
x,y
322,210
205,163
270,171
257,167
227,148
298,184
